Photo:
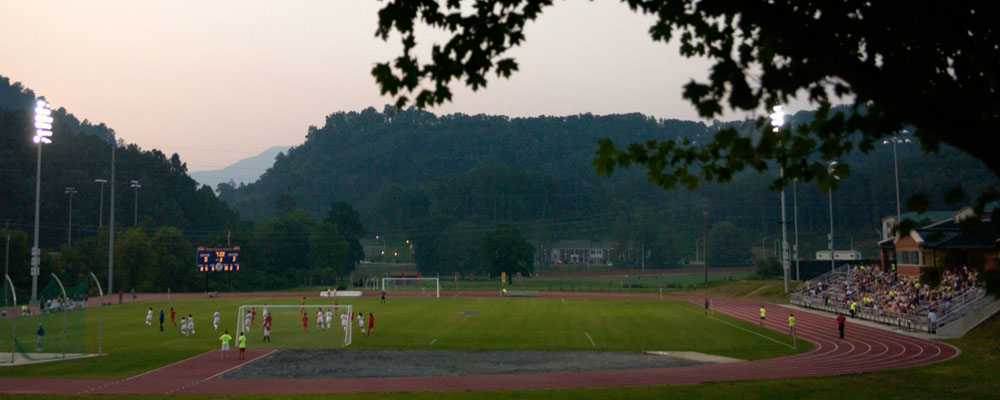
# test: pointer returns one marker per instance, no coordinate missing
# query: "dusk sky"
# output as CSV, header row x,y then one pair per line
x,y
218,81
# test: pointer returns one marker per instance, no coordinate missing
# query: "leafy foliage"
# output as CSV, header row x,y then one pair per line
x,y
506,250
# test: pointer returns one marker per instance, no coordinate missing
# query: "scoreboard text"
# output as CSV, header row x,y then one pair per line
x,y
218,259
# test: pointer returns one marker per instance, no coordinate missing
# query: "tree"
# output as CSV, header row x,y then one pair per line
x,y
506,250
727,246
174,268
891,61
134,259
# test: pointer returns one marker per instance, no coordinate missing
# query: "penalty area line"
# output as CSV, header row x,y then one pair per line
x,y
594,345
434,341
755,333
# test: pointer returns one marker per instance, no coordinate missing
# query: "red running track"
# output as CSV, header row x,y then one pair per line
x,y
864,349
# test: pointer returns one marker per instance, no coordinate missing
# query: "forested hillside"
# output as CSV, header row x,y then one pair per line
x,y
439,179
80,153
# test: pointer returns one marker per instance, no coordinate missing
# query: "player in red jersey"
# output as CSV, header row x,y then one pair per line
x,y
305,322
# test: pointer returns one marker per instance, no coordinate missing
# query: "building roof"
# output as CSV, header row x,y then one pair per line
x,y
952,234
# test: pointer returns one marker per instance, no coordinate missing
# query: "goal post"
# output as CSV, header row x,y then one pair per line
x,y
413,286
286,319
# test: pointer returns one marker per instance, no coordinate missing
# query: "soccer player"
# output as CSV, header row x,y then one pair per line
x,y
335,304
225,338
761,315
184,326
305,321
840,324
706,306
345,322
41,338
149,317
243,346
371,324
215,320
161,320
253,316
319,319
361,322
329,318
191,324
383,296
172,312
791,323
267,328
246,321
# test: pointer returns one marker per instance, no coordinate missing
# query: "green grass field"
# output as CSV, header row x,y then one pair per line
x,y
410,323
641,283
971,375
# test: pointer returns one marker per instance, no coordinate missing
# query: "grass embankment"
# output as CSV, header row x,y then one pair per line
x,y
410,323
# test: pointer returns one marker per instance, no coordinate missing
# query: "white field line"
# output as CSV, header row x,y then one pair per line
x,y
755,333
223,372
563,299
434,341
591,339
165,366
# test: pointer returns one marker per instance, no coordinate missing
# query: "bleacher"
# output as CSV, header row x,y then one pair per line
x,y
883,297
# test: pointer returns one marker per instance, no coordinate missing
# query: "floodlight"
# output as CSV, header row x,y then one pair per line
x,y
777,118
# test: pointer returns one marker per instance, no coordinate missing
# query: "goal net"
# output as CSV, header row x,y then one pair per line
x,y
412,286
53,328
288,330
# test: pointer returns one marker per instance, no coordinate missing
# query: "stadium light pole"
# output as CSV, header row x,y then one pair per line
x,y
111,220
135,210
69,228
43,134
100,208
795,216
777,121
831,168
895,139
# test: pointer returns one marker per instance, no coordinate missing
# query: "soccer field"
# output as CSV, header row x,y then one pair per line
x,y
418,323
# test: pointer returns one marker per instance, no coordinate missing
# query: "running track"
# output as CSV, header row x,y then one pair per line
x,y
864,349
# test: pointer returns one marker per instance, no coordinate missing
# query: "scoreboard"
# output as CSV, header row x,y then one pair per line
x,y
218,259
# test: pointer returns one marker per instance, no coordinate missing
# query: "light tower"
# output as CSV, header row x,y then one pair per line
x,y
100,213
43,134
69,228
777,121
135,217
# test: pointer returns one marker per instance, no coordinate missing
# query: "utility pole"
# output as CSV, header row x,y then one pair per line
x,y
704,233
69,228
795,212
6,259
111,223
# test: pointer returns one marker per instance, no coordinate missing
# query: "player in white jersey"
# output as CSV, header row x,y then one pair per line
x,y
184,326
215,320
319,319
345,322
149,317
361,322
246,322
329,318
191,324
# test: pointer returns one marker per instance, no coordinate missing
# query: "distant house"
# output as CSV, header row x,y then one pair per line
x,y
584,252
954,240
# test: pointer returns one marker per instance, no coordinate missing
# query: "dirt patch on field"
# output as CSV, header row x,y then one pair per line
x,y
402,363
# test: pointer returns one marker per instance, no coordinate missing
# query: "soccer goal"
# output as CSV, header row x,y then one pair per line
x,y
412,286
287,324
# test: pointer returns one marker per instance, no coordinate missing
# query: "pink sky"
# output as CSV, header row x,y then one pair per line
x,y
217,81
